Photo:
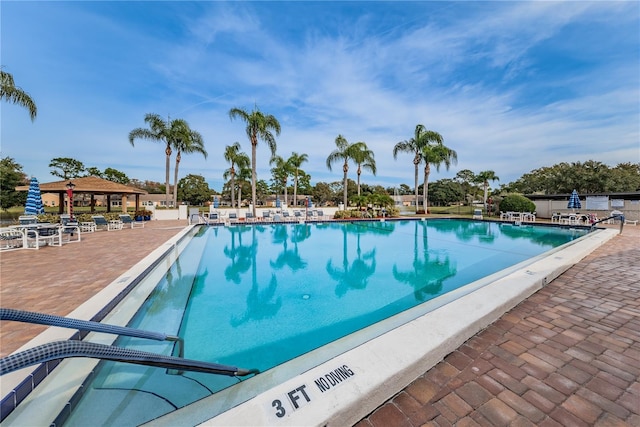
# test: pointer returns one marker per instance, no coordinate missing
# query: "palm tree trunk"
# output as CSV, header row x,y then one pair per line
x,y
254,145
285,192
486,187
175,179
233,187
295,190
167,151
416,162
425,188
345,169
359,172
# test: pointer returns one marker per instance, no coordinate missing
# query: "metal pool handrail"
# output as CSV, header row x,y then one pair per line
x,y
65,349
619,217
86,325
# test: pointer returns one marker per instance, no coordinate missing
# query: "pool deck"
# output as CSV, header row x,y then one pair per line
x,y
568,355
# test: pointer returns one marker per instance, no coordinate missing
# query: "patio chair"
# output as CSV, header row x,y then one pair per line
x,y
286,216
127,221
101,221
70,230
477,214
27,219
11,239
266,215
249,217
50,235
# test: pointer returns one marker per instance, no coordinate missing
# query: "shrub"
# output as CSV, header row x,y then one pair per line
x,y
517,203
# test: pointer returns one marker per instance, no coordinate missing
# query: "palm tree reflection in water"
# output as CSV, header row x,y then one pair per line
x,y
290,258
356,275
260,304
240,255
429,271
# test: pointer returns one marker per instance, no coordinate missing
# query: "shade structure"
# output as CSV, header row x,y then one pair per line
x,y
216,202
574,201
34,199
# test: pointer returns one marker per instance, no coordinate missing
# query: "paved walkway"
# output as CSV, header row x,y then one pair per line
x,y
56,280
567,356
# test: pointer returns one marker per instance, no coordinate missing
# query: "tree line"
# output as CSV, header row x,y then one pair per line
x,y
425,146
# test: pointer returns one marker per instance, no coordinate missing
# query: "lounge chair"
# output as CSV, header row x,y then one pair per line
x,y
286,216
214,217
101,221
266,216
477,214
127,221
233,217
249,217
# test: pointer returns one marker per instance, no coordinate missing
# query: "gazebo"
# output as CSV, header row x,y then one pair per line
x,y
90,185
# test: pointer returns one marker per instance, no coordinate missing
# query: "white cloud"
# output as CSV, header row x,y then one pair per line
x,y
474,78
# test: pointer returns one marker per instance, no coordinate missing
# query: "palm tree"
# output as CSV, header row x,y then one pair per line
x,y
364,158
435,154
414,146
159,130
296,160
483,178
243,177
11,93
343,153
281,172
185,141
233,155
259,126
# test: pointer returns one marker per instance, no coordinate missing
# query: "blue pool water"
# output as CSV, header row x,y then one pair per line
x,y
258,296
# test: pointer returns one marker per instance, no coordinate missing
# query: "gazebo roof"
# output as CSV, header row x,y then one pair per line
x,y
87,184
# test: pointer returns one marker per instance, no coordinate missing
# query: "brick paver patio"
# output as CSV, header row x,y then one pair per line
x,y
567,356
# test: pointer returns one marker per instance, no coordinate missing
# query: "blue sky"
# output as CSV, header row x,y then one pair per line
x,y
511,86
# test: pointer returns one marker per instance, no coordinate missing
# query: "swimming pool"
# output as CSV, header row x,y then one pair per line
x,y
248,293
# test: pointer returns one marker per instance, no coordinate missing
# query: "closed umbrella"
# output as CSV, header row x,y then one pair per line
x,y
34,199
574,201
216,202
278,204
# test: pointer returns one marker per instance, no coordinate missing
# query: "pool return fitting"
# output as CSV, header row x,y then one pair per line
x,y
71,348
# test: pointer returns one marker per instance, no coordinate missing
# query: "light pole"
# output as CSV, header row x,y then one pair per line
x,y
70,187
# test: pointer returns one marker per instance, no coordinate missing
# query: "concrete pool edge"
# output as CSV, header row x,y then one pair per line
x,y
371,373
